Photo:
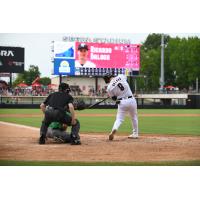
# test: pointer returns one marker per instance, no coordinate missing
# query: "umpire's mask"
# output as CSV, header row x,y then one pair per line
x,y
64,87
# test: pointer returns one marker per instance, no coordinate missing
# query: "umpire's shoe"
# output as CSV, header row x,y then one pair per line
x,y
76,142
42,139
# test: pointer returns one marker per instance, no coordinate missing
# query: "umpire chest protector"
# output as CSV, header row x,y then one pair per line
x,y
59,100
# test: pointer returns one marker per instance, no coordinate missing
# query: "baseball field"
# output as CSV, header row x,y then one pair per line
x,y
167,137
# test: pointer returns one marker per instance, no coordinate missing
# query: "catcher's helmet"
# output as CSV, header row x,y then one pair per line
x,y
107,77
64,87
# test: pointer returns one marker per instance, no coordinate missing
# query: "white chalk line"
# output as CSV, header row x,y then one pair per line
x,y
34,128
19,126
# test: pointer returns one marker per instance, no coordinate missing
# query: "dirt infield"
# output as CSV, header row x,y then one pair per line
x,y
20,143
103,115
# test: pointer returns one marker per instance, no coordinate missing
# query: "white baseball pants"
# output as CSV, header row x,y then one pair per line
x,y
127,106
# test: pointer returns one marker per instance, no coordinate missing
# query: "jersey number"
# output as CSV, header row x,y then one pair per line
x,y
121,87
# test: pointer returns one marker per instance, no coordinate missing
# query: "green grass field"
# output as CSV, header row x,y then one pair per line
x,y
178,125
60,163
151,125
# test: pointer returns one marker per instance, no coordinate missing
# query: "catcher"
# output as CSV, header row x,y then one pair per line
x,y
54,108
58,131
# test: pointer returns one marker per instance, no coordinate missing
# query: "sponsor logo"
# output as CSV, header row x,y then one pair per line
x,y
64,67
6,53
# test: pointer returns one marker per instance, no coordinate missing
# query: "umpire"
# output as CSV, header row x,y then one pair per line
x,y
54,108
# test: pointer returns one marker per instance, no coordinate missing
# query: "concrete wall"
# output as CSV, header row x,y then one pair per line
x,y
85,83
163,96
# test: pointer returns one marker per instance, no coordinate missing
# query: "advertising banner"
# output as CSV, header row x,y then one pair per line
x,y
11,59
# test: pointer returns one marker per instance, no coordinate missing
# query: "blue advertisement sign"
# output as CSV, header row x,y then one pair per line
x,y
64,58
64,66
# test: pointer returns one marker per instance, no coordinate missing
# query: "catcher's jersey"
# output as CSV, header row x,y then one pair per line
x,y
119,87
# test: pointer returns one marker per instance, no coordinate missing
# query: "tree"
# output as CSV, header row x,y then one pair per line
x,y
28,76
19,79
182,61
150,62
153,41
45,81
185,60
32,74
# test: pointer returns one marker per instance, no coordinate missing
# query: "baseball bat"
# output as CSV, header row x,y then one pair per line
x,y
93,105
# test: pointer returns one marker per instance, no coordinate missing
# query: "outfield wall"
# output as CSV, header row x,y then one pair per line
x,y
143,100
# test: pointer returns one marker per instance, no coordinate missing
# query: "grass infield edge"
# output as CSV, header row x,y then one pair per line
x,y
70,163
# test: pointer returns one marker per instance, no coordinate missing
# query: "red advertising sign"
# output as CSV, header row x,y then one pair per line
x,y
107,55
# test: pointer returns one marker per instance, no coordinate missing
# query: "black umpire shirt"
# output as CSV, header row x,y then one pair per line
x,y
59,100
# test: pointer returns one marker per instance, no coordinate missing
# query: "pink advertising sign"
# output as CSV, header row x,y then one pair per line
x,y
109,55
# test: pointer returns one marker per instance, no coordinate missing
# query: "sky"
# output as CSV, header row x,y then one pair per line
x,y
38,51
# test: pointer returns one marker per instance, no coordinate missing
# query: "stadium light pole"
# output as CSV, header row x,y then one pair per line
x,y
162,71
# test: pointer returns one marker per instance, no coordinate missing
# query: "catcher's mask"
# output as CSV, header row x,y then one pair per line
x,y
107,77
64,87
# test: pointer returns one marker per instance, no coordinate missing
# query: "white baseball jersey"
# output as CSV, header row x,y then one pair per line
x,y
119,87
88,64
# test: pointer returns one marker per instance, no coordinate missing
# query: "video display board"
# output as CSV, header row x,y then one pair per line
x,y
95,59
11,59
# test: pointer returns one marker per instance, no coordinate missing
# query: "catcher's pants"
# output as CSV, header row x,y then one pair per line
x,y
63,135
127,106
55,115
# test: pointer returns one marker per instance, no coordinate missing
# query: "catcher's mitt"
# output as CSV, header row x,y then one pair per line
x,y
79,105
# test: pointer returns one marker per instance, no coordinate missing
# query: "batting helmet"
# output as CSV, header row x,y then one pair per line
x,y
107,77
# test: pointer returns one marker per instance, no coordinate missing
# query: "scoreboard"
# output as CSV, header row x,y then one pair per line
x,y
101,71
95,59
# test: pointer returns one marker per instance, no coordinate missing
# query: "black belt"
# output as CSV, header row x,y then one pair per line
x,y
129,97
54,108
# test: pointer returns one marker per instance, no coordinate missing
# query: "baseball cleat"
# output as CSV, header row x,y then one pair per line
x,y
76,142
133,136
111,135
42,139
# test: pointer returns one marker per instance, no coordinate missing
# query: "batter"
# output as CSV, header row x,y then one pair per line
x,y
119,90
